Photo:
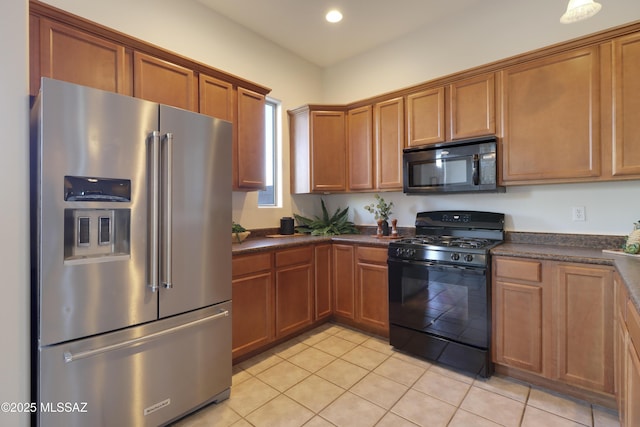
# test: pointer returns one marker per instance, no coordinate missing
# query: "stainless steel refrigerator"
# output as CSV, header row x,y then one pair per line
x,y
131,259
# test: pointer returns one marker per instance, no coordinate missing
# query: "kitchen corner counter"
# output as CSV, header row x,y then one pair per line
x,y
258,244
627,266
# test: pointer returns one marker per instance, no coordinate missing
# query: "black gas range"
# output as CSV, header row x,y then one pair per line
x,y
452,237
440,290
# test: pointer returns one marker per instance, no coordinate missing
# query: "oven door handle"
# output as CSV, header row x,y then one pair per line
x,y
436,265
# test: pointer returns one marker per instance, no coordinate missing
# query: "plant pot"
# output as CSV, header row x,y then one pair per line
x,y
239,237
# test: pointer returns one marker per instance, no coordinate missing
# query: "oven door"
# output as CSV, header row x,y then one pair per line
x,y
448,302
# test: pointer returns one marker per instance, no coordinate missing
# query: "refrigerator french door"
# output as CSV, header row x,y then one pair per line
x,y
131,258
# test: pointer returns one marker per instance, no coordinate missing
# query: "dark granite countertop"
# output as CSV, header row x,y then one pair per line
x,y
258,244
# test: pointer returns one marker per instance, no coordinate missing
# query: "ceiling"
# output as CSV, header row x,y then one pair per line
x,y
299,25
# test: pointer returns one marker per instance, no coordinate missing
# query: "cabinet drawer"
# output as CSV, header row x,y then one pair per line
x,y
295,256
375,255
513,268
633,324
246,264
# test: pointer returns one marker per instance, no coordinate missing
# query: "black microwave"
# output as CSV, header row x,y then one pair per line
x,y
461,166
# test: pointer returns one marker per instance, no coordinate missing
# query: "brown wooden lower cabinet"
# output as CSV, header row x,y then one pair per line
x,y
584,315
360,284
294,290
620,336
555,320
277,294
252,302
627,357
323,292
372,296
344,281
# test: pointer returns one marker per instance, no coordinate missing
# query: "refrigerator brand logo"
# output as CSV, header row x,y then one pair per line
x,y
156,407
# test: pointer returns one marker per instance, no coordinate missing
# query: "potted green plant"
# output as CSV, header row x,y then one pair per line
x,y
381,211
326,225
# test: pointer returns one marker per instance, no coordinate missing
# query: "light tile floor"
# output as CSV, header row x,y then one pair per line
x,y
336,376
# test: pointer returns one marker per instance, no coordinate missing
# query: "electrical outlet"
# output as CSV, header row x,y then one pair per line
x,y
579,213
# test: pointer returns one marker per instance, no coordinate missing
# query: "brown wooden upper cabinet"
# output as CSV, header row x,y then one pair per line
x,y
389,142
249,136
375,139
360,149
318,150
66,47
64,53
245,109
161,81
216,97
462,109
626,144
551,116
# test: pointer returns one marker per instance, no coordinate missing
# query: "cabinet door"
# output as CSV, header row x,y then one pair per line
x,y
164,82
584,315
632,415
360,148
77,57
328,151
426,117
632,407
344,281
472,109
552,118
216,97
323,294
519,325
620,345
294,298
372,286
626,144
389,137
252,323
249,152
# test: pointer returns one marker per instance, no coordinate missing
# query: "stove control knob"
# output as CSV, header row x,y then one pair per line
x,y
468,257
411,252
399,251
455,256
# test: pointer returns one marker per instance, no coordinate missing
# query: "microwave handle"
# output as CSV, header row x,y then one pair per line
x,y
476,170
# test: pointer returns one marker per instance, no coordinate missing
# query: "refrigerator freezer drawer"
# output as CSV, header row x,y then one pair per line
x,y
142,376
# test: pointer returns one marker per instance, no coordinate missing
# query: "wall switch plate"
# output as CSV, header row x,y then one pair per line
x,y
579,213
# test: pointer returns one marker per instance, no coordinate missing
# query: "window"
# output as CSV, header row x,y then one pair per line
x,y
270,196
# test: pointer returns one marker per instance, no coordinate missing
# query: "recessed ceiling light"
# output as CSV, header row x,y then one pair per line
x,y
334,16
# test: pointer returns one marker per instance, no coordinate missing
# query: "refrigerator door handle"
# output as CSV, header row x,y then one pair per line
x,y
154,212
167,281
72,357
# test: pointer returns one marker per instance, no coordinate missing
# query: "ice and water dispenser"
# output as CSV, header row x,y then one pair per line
x,y
101,231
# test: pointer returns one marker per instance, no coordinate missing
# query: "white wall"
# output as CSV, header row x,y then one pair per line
x,y
487,34
14,215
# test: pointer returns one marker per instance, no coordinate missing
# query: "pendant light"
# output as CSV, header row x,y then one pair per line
x,y
577,10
